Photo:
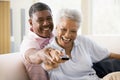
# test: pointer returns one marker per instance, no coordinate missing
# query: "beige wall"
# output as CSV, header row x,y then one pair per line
x,y
4,0
4,27
86,16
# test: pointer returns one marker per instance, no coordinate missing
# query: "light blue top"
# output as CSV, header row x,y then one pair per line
x,y
79,67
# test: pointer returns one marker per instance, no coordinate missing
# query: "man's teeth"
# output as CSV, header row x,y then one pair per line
x,y
46,28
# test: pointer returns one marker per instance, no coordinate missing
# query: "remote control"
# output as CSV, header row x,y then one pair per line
x,y
65,58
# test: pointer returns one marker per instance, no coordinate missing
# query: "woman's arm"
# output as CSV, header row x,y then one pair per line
x,y
114,55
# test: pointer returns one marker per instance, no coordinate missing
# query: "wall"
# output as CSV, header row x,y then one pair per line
x,y
4,26
16,20
110,42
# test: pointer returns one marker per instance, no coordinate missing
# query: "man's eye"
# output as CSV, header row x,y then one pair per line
x,y
63,29
49,19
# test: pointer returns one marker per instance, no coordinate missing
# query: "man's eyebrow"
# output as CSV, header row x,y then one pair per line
x,y
43,17
49,16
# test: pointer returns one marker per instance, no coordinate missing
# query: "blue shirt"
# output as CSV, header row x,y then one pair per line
x,y
79,67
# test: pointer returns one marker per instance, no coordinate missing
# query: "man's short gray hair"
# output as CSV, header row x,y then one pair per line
x,y
70,14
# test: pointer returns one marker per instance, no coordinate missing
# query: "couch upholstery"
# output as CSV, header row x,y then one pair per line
x,y
12,68
106,66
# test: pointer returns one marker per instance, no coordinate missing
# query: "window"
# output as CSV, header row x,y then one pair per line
x,y
105,17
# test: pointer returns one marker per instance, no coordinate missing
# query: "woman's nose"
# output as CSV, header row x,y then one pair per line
x,y
67,34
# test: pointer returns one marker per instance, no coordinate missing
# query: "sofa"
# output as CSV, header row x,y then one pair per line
x,y
12,68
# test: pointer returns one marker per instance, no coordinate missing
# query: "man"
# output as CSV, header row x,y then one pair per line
x,y
41,23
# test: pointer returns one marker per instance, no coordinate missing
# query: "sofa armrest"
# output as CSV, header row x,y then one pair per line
x,y
12,68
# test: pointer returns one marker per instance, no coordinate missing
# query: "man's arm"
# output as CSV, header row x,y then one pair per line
x,y
49,57
46,55
31,56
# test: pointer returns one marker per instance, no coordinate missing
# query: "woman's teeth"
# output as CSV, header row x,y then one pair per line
x,y
65,39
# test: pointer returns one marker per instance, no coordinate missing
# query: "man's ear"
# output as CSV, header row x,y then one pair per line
x,y
30,22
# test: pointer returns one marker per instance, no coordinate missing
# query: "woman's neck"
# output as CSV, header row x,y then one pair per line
x,y
68,50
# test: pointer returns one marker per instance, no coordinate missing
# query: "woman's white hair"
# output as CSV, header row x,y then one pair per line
x,y
70,14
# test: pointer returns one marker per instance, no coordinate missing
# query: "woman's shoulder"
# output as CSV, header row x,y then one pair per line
x,y
82,38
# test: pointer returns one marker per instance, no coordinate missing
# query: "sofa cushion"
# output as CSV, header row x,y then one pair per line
x,y
12,68
106,66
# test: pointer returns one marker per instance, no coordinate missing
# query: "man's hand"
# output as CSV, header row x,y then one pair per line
x,y
52,58
50,55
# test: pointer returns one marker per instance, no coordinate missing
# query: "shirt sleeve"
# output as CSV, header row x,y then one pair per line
x,y
95,51
27,44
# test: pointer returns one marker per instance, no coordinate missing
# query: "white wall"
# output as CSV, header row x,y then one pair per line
x,y
110,42
16,6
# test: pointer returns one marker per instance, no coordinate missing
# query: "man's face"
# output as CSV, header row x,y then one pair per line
x,y
66,32
41,23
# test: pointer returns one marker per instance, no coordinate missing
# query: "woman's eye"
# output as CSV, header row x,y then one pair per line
x,y
40,20
74,31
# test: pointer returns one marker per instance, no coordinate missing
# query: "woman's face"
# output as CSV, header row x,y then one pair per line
x,y
66,32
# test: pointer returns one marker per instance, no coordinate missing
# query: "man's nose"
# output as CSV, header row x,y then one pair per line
x,y
46,22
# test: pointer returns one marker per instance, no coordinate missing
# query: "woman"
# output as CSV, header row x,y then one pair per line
x,y
82,51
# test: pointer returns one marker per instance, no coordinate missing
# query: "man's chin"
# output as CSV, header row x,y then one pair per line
x,y
46,36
